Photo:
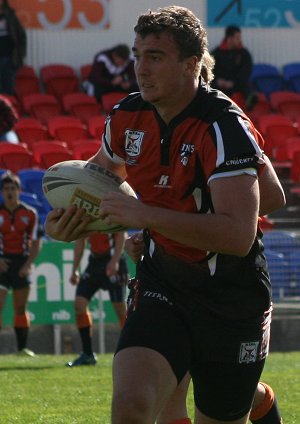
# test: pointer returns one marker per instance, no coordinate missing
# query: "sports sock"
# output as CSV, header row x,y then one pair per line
x,y
181,421
267,412
84,325
21,326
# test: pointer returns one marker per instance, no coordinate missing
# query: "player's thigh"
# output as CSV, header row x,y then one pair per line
x,y
142,378
224,391
80,305
203,419
3,293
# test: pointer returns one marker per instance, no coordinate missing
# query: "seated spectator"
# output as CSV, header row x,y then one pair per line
x,y
8,118
112,70
233,66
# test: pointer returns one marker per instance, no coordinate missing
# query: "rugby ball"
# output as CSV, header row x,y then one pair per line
x,y
84,184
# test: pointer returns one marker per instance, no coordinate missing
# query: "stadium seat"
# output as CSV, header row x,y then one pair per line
x,y
15,103
266,78
109,100
287,103
291,75
66,128
85,150
84,71
27,82
295,167
30,130
262,107
81,105
285,151
15,156
47,153
41,106
283,242
279,271
96,126
59,79
294,267
31,181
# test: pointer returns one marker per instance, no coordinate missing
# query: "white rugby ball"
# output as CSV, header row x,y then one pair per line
x,y
84,184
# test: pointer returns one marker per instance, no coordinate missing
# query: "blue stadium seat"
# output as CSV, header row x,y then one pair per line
x,y
291,75
266,78
31,180
294,265
283,242
280,276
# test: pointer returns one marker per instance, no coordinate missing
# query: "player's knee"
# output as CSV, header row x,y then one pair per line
x,y
131,407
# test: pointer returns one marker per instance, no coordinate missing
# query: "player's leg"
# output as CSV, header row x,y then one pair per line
x,y
265,409
143,380
175,411
21,317
120,310
84,323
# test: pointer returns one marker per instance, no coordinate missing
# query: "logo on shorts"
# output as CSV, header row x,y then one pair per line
x,y
133,142
248,352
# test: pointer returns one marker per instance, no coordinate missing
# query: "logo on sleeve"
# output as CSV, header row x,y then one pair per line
x,y
133,142
248,352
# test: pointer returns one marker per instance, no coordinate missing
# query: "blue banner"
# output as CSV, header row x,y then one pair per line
x,y
254,13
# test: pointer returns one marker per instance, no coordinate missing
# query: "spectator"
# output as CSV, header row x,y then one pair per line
x,y
20,245
106,270
12,47
112,70
233,66
8,118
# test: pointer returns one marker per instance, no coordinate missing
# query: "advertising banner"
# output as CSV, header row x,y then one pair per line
x,y
52,295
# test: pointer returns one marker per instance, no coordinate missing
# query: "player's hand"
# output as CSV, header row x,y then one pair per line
x,y
25,270
67,225
118,208
75,277
134,246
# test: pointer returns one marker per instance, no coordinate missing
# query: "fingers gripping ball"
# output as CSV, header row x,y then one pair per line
x,y
83,184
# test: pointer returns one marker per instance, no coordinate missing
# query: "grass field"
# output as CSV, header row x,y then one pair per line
x,y
42,390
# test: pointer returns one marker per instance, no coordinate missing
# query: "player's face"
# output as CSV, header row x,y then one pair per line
x,y
162,77
10,193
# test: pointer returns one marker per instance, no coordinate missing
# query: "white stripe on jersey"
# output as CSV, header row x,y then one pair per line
x,y
251,137
106,144
247,171
220,145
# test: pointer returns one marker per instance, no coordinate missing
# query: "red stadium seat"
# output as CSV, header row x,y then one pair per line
x,y
30,130
15,156
96,126
85,150
81,105
27,82
47,153
286,103
41,106
59,79
109,100
295,168
66,128
85,70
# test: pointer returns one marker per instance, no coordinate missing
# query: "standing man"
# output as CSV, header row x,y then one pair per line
x,y
19,246
13,44
201,300
233,66
106,270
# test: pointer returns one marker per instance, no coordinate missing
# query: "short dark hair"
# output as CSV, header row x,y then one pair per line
x,y
122,50
8,178
231,30
185,28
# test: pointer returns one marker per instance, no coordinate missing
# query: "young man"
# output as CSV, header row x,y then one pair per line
x,y
201,301
233,66
112,70
20,245
106,270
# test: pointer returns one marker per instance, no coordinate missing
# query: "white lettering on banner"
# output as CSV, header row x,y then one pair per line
x,y
52,279
61,315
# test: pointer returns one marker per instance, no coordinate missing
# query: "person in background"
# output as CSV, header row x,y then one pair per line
x,y
112,70
201,298
8,118
13,43
20,237
233,66
106,270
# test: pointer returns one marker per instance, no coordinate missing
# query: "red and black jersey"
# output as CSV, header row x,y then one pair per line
x,y
170,166
17,229
101,243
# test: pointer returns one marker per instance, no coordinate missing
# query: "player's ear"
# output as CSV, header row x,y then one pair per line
x,y
191,63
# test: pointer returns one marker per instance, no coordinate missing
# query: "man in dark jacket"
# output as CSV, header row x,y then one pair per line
x,y
233,66
12,47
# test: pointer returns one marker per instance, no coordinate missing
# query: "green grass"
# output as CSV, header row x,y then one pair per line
x,y
42,390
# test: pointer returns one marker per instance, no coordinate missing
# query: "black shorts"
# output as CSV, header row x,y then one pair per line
x,y
11,278
94,278
225,357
